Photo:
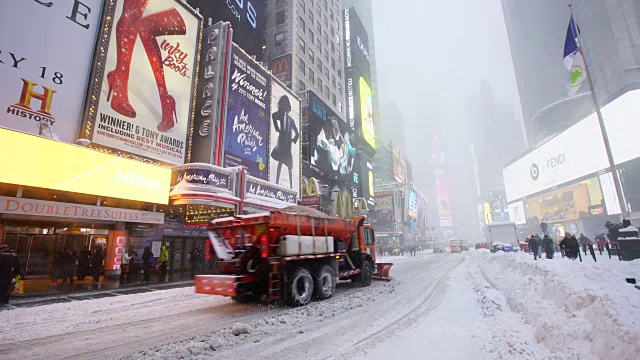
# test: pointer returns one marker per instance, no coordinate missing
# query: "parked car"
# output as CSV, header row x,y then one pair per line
x,y
439,249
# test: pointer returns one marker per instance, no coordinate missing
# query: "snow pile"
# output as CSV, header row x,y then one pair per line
x,y
581,310
253,332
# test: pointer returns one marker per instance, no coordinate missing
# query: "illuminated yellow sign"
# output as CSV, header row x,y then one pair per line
x,y
488,215
35,161
366,113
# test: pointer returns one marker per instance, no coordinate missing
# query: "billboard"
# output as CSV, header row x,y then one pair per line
x,y
43,88
331,145
144,97
246,135
366,113
285,139
560,160
412,204
517,214
247,18
364,188
357,80
281,68
76,169
399,164
442,186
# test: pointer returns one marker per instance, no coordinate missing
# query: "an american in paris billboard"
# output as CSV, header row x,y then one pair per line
x,y
246,139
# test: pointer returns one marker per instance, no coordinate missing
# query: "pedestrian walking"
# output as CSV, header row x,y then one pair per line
x,y
67,265
147,255
164,261
96,264
84,261
9,269
533,245
56,267
569,245
547,244
194,260
544,227
539,242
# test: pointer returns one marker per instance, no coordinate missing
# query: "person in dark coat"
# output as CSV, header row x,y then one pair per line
x,y
96,264
547,244
67,265
288,135
147,255
570,246
544,227
533,246
84,261
9,269
194,260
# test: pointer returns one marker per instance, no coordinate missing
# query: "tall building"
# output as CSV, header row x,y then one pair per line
x,y
610,35
306,37
364,9
392,126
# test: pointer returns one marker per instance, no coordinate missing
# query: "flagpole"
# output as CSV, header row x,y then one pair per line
x,y
603,129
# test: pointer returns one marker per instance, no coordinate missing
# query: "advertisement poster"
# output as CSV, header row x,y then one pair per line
x,y
399,165
145,100
43,87
366,113
284,149
331,145
246,138
281,68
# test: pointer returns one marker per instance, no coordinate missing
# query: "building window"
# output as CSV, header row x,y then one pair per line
x,y
301,45
339,106
312,55
333,48
280,39
302,65
319,27
320,84
326,91
301,24
312,76
339,72
326,73
333,81
319,43
311,15
326,38
326,55
333,99
340,88
333,64
331,14
310,34
302,5
280,18
319,66
301,86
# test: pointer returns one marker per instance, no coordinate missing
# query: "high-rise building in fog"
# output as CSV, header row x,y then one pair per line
x,y
304,47
392,125
610,35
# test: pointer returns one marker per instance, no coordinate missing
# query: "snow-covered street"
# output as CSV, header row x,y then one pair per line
x,y
455,306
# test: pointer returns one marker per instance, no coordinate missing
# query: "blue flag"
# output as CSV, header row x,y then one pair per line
x,y
573,59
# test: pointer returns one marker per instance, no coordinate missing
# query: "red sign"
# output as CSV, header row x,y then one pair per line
x,y
310,200
281,68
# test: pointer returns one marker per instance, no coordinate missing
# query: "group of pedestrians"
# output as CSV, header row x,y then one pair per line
x,y
569,245
9,270
68,263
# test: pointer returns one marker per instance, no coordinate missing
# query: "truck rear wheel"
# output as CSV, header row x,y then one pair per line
x,y
325,283
364,278
300,288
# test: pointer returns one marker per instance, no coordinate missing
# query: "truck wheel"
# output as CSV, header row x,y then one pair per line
x,y
325,283
300,288
364,278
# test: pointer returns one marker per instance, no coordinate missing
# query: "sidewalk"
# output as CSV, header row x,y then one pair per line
x,y
40,291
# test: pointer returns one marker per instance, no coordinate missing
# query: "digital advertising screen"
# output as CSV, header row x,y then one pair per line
x,y
247,17
331,141
284,150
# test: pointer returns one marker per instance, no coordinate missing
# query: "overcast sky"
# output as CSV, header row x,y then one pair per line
x,y
440,49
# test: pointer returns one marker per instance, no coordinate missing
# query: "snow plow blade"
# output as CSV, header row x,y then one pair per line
x,y
225,285
382,271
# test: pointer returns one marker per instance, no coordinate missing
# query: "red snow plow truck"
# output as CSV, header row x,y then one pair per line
x,y
295,254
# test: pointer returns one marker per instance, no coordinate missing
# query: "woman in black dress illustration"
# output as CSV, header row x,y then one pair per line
x,y
287,135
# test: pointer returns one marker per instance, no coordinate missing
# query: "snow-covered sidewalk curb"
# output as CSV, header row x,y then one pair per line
x,y
596,313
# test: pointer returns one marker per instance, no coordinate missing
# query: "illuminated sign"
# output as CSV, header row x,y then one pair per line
x,y
310,192
366,113
23,206
49,164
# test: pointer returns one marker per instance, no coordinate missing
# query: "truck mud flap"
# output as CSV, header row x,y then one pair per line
x,y
383,271
225,285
